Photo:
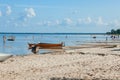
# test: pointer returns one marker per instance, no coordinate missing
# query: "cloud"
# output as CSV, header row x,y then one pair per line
x,y
49,23
67,21
100,21
8,10
45,23
88,20
30,12
82,22
117,23
79,22
0,13
5,10
63,22
57,22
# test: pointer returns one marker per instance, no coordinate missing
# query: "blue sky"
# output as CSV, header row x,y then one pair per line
x,y
56,16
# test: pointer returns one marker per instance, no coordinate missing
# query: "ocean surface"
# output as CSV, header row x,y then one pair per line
x,y
20,45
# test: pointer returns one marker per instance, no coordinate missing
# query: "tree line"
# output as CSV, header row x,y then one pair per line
x,y
113,31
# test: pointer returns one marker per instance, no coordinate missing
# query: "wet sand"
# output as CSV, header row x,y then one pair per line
x,y
79,62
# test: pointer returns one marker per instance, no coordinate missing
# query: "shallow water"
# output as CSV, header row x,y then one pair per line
x,y
20,45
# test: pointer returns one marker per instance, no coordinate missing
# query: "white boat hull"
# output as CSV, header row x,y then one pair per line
x,y
3,56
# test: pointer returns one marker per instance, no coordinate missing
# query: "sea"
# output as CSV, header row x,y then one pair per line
x,y
20,45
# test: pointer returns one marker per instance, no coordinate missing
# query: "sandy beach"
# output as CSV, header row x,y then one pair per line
x,y
73,63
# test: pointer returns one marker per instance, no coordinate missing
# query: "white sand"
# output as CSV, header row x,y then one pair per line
x,y
84,63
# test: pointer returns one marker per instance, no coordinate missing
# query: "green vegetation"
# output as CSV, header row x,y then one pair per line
x,y
114,31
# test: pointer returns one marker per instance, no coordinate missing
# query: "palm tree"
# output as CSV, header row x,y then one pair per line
x,y
118,31
113,31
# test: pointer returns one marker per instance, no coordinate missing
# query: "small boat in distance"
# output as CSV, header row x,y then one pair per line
x,y
37,46
11,38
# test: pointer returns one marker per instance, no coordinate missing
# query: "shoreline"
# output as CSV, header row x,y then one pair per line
x,y
78,62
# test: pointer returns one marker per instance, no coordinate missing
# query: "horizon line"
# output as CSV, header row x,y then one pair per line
x,y
46,33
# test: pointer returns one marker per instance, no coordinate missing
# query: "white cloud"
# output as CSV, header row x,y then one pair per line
x,y
39,23
45,23
8,10
67,21
117,23
99,21
57,22
49,23
0,13
30,12
88,20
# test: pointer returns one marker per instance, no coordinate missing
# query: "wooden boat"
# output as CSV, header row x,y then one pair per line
x,y
46,45
3,56
37,46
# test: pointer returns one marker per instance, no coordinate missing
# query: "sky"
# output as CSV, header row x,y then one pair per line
x,y
59,16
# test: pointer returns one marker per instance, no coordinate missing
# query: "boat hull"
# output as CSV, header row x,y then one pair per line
x,y
46,45
11,38
3,56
